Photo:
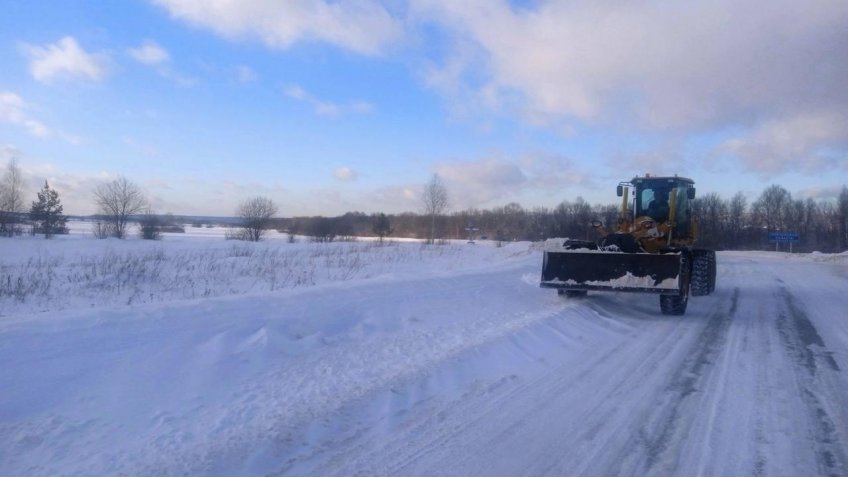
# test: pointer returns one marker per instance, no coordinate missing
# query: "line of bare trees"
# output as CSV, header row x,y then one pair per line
x,y
121,199
119,202
724,224
733,224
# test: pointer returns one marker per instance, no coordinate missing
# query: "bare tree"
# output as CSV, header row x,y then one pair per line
x,y
737,219
712,212
255,214
770,208
117,201
842,208
11,198
435,202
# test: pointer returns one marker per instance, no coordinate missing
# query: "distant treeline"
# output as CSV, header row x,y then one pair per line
x,y
724,224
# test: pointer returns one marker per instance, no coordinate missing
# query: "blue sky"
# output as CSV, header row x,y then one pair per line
x,y
334,106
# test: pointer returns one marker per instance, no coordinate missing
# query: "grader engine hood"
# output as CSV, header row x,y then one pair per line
x,y
572,268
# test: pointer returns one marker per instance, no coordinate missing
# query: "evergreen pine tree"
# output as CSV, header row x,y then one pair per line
x,y
382,226
46,212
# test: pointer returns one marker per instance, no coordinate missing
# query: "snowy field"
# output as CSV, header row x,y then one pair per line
x,y
195,355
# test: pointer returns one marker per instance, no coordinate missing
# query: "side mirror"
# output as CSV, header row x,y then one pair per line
x,y
690,193
596,224
619,191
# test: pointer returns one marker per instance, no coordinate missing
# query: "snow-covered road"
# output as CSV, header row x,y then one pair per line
x,y
748,383
461,372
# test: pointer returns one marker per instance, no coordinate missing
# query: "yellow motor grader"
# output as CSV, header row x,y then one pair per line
x,y
649,251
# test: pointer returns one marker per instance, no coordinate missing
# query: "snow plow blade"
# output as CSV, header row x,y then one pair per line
x,y
612,271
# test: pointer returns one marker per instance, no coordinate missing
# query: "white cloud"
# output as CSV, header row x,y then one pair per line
x,y
295,92
13,110
361,107
821,193
666,159
554,172
74,190
345,174
665,66
245,74
478,182
178,78
327,108
7,153
677,69
363,26
140,146
71,138
64,58
394,199
150,53
808,143
495,180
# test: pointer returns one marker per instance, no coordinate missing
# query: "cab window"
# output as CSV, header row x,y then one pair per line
x,y
645,198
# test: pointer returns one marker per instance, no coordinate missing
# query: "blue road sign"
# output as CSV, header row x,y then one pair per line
x,y
791,237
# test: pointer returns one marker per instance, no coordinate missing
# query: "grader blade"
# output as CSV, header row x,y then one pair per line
x,y
612,271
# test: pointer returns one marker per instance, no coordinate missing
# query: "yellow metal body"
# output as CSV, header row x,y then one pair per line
x,y
652,235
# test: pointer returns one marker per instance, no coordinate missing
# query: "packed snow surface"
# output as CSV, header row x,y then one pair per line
x,y
210,358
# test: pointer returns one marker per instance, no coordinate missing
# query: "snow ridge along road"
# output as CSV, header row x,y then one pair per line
x,y
469,371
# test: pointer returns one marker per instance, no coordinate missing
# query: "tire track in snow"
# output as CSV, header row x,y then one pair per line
x,y
594,419
716,393
761,390
574,421
673,419
814,371
434,438
563,418
707,427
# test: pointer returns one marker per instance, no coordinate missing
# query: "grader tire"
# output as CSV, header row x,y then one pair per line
x,y
676,304
703,272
